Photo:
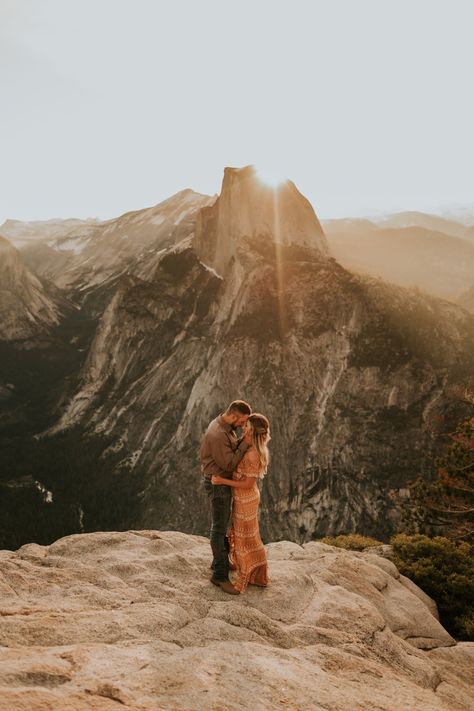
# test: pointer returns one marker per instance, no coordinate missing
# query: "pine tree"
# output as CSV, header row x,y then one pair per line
x,y
446,506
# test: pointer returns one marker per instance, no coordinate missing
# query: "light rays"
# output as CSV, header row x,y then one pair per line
x,y
270,176
282,315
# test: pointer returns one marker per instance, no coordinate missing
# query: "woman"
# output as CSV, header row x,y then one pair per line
x,y
247,554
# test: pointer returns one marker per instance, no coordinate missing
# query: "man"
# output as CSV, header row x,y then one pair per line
x,y
220,452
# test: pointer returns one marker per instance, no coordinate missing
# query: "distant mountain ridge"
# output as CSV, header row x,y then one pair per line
x,y
79,254
437,223
409,249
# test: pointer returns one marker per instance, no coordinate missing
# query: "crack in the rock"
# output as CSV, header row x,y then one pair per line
x,y
107,692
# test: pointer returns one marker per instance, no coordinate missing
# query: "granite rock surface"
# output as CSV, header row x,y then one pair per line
x,y
130,620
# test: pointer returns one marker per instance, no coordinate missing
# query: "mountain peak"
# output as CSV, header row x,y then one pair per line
x,y
248,207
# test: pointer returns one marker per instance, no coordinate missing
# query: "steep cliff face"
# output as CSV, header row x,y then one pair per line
x,y
351,371
145,325
247,208
26,309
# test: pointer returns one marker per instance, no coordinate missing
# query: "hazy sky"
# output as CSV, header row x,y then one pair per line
x,y
114,105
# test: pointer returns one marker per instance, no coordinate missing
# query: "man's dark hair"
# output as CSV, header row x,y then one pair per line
x,y
240,406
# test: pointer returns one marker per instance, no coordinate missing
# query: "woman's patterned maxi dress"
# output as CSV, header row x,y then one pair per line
x,y
246,548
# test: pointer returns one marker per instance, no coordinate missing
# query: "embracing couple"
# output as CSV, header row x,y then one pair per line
x,y
230,467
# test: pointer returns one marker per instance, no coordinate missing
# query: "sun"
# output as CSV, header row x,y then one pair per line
x,y
270,176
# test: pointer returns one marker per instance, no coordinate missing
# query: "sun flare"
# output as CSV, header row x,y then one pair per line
x,y
270,176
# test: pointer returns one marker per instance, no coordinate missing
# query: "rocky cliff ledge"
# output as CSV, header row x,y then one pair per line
x,y
107,620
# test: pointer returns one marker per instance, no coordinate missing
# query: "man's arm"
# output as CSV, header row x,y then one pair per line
x,y
223,453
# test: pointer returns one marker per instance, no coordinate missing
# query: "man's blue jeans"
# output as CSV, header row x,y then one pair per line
x,y
220,497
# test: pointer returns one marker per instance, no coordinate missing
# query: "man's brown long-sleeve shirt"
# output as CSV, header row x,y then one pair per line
x,y
221,451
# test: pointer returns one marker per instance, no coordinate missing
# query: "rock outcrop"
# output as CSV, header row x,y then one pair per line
x,y
248,208
130,619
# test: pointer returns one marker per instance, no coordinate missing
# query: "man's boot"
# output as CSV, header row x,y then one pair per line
x,y
226,586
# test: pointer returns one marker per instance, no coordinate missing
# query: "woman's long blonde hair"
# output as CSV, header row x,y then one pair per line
x,y
260,428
